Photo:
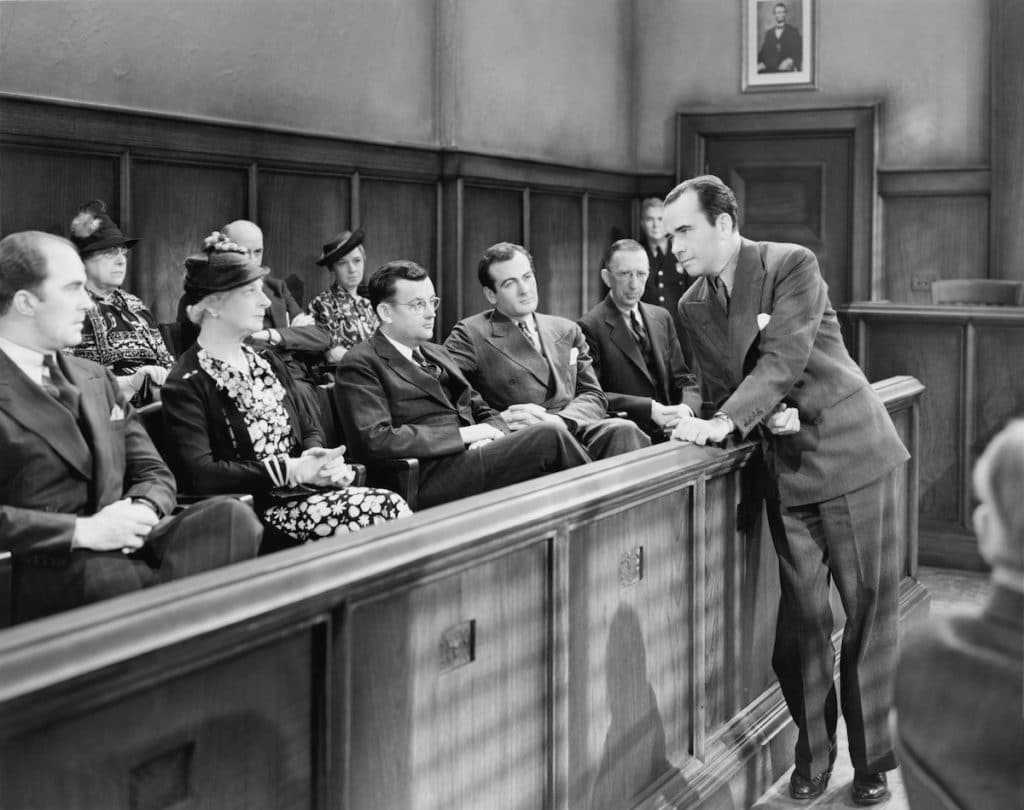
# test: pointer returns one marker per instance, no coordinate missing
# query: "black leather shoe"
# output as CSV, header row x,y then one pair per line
x,y
800,787
870,788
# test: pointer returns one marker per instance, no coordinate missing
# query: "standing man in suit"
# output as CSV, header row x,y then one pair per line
x,y
400,395
960,681
772,359
84,496
534,368
634,347
291,333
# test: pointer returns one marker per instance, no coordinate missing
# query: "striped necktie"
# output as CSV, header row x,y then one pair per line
x,y
60,387
528,335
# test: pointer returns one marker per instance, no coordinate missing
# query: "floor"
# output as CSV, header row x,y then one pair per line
x,y
950,591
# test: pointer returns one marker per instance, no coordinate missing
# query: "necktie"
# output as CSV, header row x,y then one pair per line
x,y
60,387
431,369
637,328
528,335
721,293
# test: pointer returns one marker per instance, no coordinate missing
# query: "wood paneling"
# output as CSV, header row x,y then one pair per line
x,y
162,193
423,736
41,189
608,220
1007,133
489,215
298,214
933,354
235,734
556,242
927,238
400,220
1000,383
629,653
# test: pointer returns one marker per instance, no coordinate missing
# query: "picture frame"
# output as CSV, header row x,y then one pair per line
x,y
779,45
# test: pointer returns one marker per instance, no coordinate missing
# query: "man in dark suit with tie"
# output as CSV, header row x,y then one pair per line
x,y
634,347
960,681
84,496
772,361
534,368
399,395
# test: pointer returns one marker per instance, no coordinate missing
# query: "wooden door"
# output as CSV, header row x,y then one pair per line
x,y
802,176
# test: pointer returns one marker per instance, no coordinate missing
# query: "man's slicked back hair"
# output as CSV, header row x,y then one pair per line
x,y
501,252
381,286
714,196
23,263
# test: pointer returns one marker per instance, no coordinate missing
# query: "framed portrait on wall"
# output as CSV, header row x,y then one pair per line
x,y
778,45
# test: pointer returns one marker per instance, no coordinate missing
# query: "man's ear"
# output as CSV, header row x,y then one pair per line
x,y
606,276
988,531
383,311
490,295
24,303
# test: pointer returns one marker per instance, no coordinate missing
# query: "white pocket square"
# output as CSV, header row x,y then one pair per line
x,y
762,320
116,414
574,353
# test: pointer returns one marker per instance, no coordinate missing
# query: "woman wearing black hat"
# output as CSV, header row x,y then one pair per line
x,y
120,332
234,422
344,313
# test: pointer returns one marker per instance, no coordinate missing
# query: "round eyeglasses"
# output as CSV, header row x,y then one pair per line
x,y
420,305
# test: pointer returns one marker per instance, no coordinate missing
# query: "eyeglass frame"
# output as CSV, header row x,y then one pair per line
x,y
419,305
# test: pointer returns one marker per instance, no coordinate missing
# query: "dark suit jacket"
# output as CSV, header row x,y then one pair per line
x,y
390,408
51,472
627,382
846,438
209,445
960,705
314,340
500,363
775,49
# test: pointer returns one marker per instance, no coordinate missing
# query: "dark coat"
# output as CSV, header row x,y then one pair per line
x,y
628,383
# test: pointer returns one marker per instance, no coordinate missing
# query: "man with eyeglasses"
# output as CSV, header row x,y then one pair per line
x,y
634,347
535,368
399,395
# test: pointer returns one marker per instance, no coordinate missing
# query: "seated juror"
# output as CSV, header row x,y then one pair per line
x,y
635,349
400,396
236,424
84,496
534,368
960,681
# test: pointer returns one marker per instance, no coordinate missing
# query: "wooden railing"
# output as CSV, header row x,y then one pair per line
x,y
596,638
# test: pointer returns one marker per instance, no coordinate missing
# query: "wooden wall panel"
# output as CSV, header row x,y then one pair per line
x,y
932,237
933,354
608,220
234,733
489,215
1000,383
298,214
174,207
556,242
400,220
629,705
471,736
42,188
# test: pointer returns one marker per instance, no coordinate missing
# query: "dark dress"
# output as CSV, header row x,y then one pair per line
x,y
231,430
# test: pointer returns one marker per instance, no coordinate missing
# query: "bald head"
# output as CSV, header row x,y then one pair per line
x,y
248,235
24,258
998,481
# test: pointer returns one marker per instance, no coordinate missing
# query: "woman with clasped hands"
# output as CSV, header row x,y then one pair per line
x,y
235,424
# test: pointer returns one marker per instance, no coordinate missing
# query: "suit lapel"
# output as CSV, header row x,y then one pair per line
x,y
708,317
407,370
657,353
746,299
108,472
39,413
621,337
507,339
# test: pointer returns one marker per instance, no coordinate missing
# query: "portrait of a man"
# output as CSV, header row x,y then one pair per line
x,y
782,47
778,45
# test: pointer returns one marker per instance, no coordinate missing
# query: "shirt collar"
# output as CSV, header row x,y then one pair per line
x,y
405,351
28,360
728,274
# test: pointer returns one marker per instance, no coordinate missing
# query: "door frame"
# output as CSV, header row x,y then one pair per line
x,y
858,122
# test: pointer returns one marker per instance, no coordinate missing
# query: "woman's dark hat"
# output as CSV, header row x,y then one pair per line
x,y
222,266
344,242
93,230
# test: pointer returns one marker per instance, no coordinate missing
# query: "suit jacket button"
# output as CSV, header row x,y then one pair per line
x,y
819,420
512,381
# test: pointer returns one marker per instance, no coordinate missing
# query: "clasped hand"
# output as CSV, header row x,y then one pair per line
x,y
668,416
526,414
323,467
478,435
701,431
784,421
123,525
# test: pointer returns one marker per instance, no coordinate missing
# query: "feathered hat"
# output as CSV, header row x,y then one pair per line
x,y
93,230
223,265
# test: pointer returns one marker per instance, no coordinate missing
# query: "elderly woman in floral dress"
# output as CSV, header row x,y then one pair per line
x,y
341,310
235,424
119,332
